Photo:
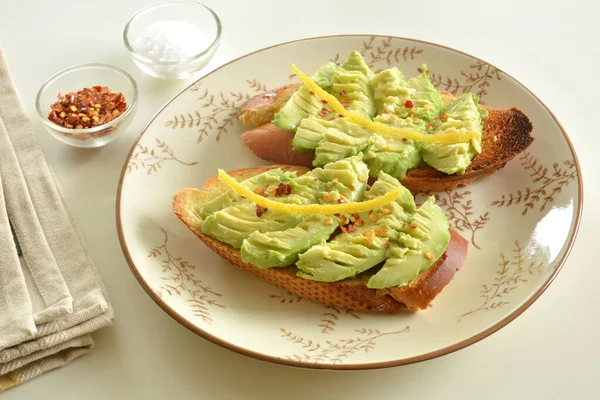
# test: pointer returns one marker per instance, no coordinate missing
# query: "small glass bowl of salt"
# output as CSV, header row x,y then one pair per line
x,y
173,40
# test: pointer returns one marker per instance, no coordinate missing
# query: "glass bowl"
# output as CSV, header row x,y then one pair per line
x,y
86,76
198,15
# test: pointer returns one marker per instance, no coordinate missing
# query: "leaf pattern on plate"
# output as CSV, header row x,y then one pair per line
x,y
458,206
546,183
476,79
217,113
152,158
510,274
338,351
381,50
179,280
331,315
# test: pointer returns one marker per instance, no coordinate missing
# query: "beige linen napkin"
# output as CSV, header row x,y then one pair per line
x,y
51,295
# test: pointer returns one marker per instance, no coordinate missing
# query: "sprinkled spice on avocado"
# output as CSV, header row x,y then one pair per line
x,y
283,189
260,210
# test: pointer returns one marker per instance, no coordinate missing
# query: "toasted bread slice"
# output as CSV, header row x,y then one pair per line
x,y
352,293
262,108
506,133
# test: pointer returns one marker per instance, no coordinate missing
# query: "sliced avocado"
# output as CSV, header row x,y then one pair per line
x,y
345,256
271,177
234,220
392,154
426,100
462,115
349,254
420,244
390,90
310,133
281,248
302,104
234,224
354,92
351,85
331,140
356,62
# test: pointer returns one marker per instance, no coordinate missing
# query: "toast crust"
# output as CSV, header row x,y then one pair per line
x,y
351,294
506,133
262,108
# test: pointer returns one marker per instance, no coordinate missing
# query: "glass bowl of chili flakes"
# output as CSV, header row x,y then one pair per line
x,y
87,105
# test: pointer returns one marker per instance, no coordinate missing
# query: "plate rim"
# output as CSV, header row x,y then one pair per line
x,y
356,366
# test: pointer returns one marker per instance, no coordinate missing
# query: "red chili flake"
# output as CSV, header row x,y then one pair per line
x,y
351,228
385,112
409,104
260,210
324,101
341,200
404,139
350,186
380,231
413,226
345,105
281,189
343,228
443,116
340,116
87,108
337,215
312,93
368,187
388,244
342,92
344,218
360,222
323,111
356,216
288,189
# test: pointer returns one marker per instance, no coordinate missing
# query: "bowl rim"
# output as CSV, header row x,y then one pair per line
x,y
130,106
150,7
356,366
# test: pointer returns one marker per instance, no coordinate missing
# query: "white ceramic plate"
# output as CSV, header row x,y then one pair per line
x,y
521,222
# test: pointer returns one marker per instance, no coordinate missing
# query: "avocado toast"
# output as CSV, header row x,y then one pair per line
x,y
391,258
294,125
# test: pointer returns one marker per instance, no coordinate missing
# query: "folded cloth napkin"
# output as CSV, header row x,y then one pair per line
x,y
51,294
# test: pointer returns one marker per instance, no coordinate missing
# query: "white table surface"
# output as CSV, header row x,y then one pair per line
x,y
551,351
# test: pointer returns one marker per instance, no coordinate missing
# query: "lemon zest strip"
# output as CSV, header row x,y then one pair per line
x,y
308,209
378,127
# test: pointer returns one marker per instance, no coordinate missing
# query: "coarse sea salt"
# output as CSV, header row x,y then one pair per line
x,y
170,41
